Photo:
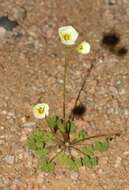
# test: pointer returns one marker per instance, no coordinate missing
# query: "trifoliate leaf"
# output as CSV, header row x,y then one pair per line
x,y
88,150
47,166
89,161
101,146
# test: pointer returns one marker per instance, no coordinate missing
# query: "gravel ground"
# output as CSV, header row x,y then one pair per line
x,y
26,55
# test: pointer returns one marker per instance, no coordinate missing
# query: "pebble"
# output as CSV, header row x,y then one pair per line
x,y
126,153
118,162
74,153
7,24
18,13
126,111
4,112
60,81
122,92
9,159
74,176
2,32
29,125
111,2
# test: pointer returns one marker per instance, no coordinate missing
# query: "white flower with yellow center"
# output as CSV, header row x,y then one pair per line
x,y
83,48
40,110
68,35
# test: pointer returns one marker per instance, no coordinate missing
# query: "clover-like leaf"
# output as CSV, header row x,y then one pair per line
x,y
101,146
89,161
47,166
88,150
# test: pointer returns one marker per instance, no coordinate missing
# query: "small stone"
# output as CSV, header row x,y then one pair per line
x,y
7,24
60,81
119,84
111,2
74,176
11,115
9,159
2,32
74,153
118,162
18,13
29,125
4,112
122,92
126,153
126,112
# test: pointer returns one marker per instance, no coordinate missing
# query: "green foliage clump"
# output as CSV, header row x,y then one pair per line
x,y
52,146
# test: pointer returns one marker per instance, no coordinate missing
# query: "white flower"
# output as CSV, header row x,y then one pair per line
x,y
68,35
83,48
41,110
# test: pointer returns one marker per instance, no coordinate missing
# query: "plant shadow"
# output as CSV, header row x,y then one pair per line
x,y
110,40
78,111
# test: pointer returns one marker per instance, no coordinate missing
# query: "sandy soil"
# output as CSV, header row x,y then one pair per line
x,y
31,68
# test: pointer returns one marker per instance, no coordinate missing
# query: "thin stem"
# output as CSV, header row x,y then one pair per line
x,y
53,158
64,87
96,136
81,89
57,138
77,149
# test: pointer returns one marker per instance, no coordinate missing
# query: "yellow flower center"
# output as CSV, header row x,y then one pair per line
x,y
40,110
81,47
67,36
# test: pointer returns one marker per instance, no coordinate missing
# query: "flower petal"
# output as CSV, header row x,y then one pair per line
x,y
40,110
83,48
68,35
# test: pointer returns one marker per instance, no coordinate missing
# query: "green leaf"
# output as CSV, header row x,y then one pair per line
x,y
88,150
89,161
68,162
82,134
42,153
78,162
36,140
47,166
70,126
55,123
52,122
48,137
101,146
60,125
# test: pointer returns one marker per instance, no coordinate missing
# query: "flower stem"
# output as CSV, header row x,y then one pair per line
x,y
96,136
64,87
53,158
